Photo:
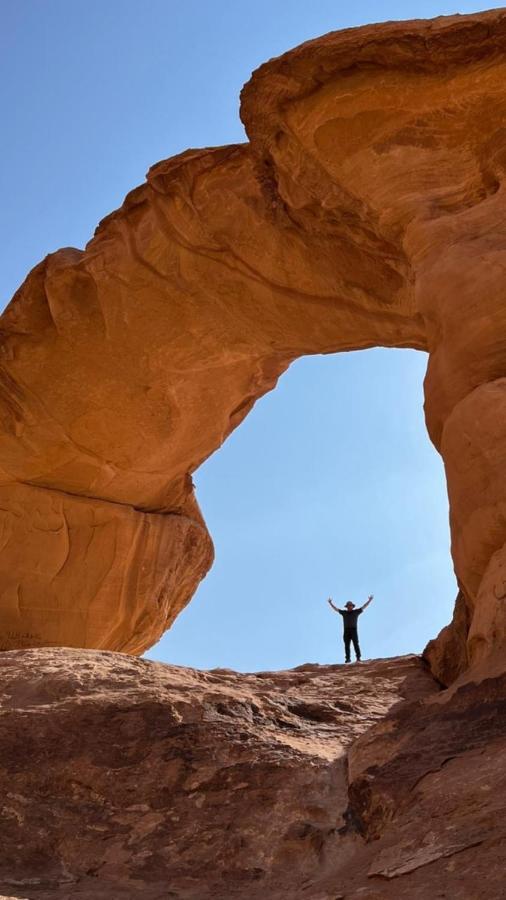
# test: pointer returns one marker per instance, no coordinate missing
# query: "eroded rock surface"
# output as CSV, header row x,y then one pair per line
x,y
447,654
428,791
122,777
128,779
367,209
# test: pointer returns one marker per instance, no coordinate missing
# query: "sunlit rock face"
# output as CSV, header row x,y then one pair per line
x,y
367,209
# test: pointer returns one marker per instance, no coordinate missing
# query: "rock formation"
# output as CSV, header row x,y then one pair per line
x,y
124,775
128,779
446,655
367,209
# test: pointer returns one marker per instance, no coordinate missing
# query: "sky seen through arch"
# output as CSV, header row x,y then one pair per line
x,y
330,485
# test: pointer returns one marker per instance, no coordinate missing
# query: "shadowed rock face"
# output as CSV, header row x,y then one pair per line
x,y
446,655
122,777
367,209
127,779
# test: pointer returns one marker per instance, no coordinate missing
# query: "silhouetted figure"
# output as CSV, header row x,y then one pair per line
x,y
350,616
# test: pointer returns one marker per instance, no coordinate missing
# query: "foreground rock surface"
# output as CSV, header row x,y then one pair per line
x,y
367,208
123,778
124,775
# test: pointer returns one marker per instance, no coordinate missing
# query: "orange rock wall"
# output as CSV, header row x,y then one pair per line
x,y
367,209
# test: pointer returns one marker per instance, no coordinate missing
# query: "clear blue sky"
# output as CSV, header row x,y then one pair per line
x,y
330,485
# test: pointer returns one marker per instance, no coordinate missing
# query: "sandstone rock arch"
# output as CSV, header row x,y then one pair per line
x,y
367,209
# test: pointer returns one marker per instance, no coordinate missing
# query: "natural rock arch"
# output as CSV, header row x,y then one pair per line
x,y
367,209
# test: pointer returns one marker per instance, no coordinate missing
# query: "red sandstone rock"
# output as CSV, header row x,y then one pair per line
x,y
428,783
367,209
447,655
127,779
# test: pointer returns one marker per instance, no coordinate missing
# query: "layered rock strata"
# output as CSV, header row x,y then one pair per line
x,y
367,209
130,779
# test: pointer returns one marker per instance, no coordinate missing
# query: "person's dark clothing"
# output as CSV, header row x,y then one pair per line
x,y
350,636
350,633
350,617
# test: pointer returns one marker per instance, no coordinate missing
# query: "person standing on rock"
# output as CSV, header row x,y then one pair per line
x,y
350,616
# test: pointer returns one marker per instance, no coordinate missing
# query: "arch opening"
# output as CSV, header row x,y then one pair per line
x,y
330,485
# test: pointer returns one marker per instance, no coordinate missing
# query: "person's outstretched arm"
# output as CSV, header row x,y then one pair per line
x,y
329,601
369,600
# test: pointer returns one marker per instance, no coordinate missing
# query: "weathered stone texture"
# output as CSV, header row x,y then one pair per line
x,y
122,778
120,775
447,654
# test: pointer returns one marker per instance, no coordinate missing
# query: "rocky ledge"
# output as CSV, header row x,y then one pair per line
x,y
123,778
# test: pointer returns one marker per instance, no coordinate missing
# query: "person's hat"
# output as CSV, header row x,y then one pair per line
x,y
349,603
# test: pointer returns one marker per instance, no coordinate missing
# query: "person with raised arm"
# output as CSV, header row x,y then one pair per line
x,y
350,615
